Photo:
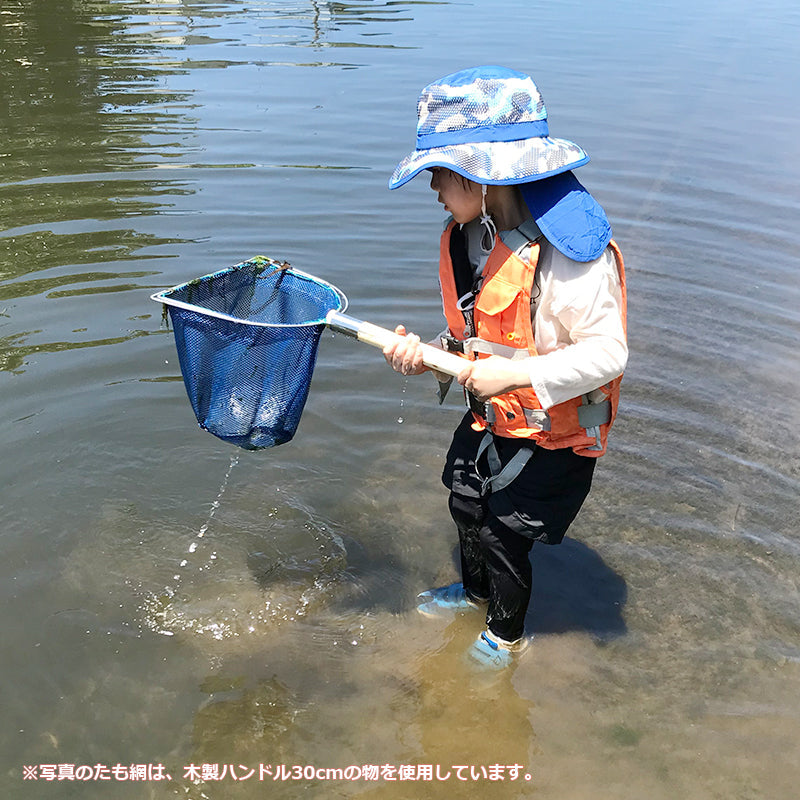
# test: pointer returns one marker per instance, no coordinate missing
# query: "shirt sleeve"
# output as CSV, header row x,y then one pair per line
x,y
578,326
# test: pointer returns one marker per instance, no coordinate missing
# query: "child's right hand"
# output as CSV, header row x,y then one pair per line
x,y
405,355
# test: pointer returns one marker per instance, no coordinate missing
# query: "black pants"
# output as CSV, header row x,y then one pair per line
x,y
496,531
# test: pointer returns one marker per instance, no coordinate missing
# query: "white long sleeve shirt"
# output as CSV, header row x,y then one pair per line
x,y
577,319
577,324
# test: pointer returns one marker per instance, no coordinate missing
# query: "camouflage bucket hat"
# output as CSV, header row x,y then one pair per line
x,y
488,124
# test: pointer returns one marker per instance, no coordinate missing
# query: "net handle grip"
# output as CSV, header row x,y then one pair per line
x,y
433,357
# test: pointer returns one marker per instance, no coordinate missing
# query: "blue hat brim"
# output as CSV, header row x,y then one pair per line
x,y
495,163
568,216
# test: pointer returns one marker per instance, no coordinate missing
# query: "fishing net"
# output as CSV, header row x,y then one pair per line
x,y
247,339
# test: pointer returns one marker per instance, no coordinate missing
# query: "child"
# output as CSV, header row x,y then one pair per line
x,y
533,290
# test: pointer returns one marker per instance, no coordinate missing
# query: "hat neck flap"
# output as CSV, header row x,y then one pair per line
x,y
568,216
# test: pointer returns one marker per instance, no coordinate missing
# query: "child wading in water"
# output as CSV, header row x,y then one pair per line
x,y
528,271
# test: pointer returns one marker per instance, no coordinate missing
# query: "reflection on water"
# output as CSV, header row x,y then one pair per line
x,y
70,90
168,603
76,104
14,353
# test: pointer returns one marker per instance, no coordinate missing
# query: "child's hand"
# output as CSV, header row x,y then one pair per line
x,y
405,355
489,377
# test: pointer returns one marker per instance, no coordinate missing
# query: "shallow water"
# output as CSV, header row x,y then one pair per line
x,y
170,600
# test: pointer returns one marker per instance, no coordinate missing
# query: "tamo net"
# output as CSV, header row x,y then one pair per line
x,y
247,339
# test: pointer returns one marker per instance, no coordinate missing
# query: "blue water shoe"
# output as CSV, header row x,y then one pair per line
x,y
491,651
445,601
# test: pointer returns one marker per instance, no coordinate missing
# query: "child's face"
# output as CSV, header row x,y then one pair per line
x,y
461,197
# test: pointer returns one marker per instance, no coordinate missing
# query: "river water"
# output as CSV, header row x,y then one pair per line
x,y
171,601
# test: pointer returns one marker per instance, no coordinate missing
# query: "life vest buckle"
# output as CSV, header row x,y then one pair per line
x,y
484,410
451,344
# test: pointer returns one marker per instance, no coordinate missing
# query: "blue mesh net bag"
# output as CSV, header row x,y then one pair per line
x,y
247,339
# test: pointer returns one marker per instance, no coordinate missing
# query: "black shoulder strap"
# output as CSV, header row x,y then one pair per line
x,y
462,269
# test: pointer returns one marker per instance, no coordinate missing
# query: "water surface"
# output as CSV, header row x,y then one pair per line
x,y
172,601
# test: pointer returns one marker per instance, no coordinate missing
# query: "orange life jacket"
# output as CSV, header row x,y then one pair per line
x,y
502,326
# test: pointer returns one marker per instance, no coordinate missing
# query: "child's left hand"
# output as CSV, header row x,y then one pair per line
x,y
489,377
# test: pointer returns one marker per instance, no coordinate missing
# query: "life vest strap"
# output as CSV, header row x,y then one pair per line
x,y
500,476
520,239
474,344
593,415
477,345
590,416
